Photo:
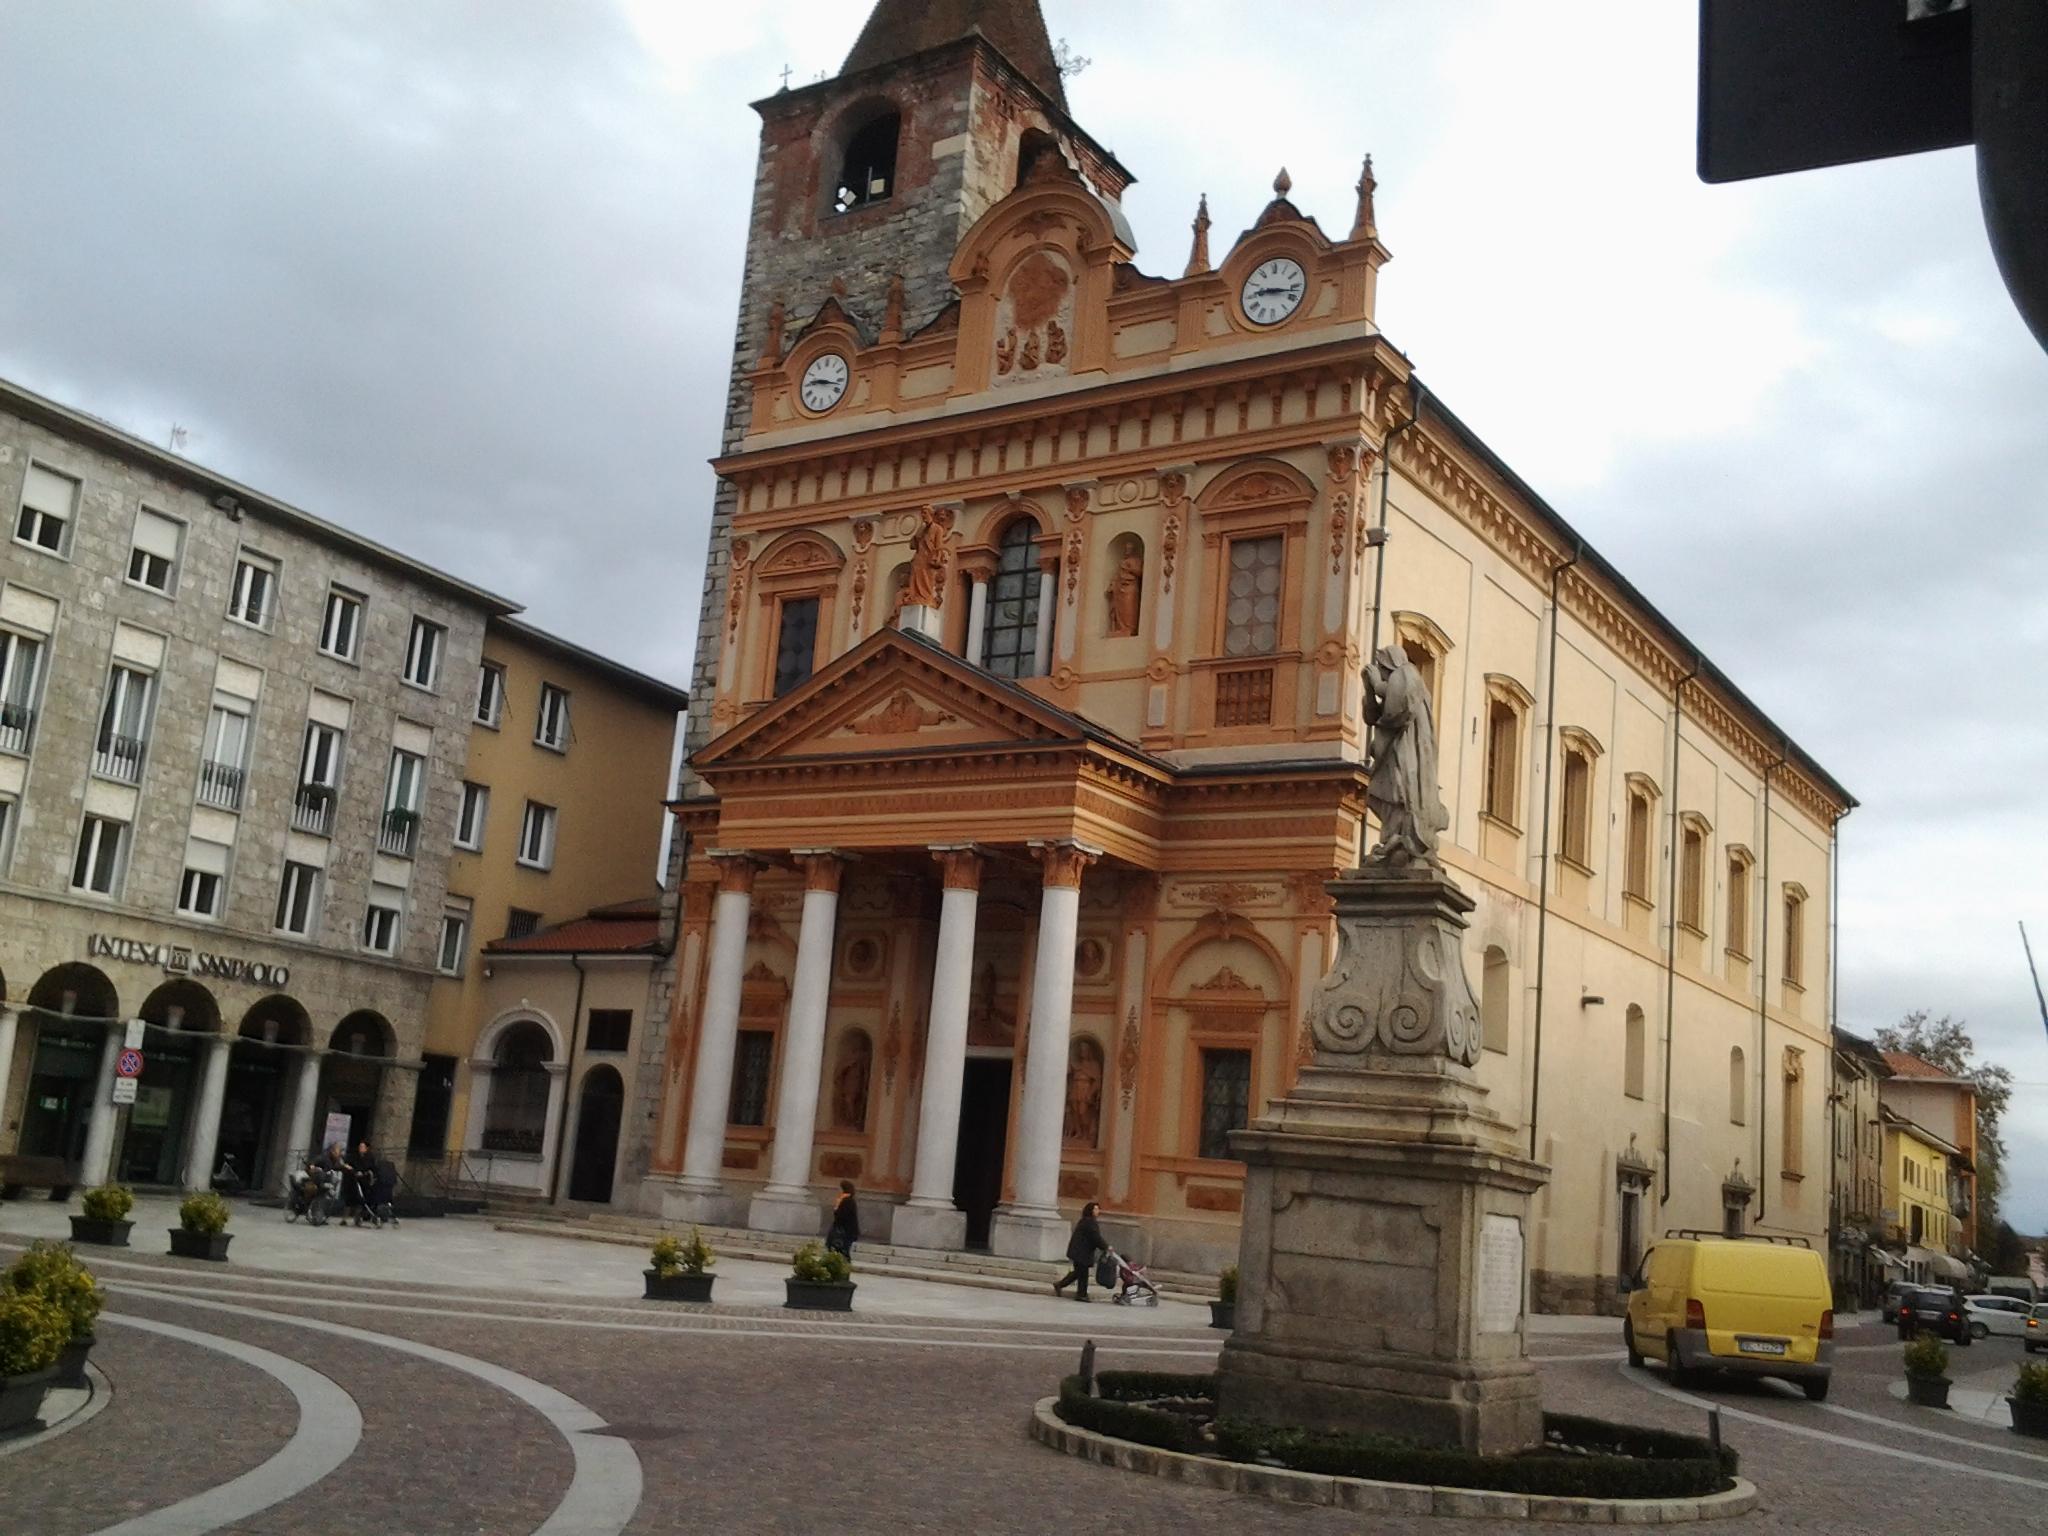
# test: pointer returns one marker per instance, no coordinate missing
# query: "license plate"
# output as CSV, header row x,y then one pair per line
x,y
1761,1346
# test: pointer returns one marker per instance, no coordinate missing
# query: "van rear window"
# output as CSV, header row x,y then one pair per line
x,y
1758,1269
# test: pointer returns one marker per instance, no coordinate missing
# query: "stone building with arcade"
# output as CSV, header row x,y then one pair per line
x,y
1027,726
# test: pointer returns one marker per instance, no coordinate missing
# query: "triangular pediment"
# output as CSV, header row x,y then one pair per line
x,y
892,695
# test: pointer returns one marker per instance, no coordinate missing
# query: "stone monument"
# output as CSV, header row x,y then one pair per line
x,y
1382,1278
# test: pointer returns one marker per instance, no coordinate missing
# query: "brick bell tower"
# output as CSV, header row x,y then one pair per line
x,y
874,176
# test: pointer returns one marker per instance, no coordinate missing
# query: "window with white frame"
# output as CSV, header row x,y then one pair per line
x,y
490,694
423,653
454,950
49,504
469,818
153,556
202,888
551,730
224,758
252,599
341,626
537,836
8,807
21,659
124,725
102,850
382,917
400,833
298,899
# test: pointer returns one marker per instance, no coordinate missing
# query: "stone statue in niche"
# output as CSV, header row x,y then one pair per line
x,y
1125,589
1403,788
850,1083
931,556
1083,1125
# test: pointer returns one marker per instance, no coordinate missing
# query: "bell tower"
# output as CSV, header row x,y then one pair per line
x,y
873,176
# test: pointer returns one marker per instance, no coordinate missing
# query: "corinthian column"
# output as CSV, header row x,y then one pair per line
x,y
787,1203
929,1219
703,1176
1030,1227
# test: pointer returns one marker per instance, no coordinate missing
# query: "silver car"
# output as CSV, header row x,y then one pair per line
x,y
1997,1314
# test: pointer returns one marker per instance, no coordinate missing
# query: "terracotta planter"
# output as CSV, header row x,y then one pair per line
x,y
819,1295
2029,1418
1927,1391
70,1365
200,1245
678,1287
1222,1314
21,1397
108,1234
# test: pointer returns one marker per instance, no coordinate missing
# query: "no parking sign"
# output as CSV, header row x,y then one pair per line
x,y
128,1064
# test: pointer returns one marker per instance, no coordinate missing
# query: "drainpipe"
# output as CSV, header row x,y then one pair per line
x,y
1763,1009
1671,919
568,1086
1543,850
1416,393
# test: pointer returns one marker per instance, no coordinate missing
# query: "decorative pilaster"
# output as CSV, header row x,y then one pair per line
x,y
929,1219
1031,1226
787,1204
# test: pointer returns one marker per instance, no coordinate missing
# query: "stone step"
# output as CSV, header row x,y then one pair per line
x,y
978,1270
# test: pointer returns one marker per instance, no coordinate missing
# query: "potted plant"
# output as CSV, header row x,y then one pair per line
x,y
2029,1401
1927,1371
106,1217
681,1270
1223,1310
202,1229
819,1280
50,1270
32,1335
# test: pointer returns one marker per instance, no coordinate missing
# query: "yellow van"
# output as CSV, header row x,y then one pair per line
x,y
1750,1305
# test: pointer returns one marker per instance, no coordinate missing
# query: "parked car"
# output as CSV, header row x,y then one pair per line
x,y
1930,1309
1751,1306
2037,1328
2013,1285
1990,1314
1892,1293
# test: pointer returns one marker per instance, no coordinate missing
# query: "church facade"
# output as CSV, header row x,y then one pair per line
x,y
1028,726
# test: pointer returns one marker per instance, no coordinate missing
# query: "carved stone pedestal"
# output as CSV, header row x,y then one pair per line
x,y
1382,1274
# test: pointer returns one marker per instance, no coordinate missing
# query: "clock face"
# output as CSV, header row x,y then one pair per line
x,y
823,382
1274,290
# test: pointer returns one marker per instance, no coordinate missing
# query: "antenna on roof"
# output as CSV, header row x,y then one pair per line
x,y
2039,997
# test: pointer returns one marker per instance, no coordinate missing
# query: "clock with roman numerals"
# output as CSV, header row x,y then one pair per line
x,y
824,382
1274,290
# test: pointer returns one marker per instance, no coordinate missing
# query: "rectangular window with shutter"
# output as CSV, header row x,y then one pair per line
x,y
1575,839
202,888
49,505
1692,879
1503,762
1738,906
298,900
102,850
21,661
381,919
153,557
252,600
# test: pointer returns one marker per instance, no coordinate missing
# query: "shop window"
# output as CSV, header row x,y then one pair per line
x,y
1226,1100
867,173
753,1058
1010,643
608,1029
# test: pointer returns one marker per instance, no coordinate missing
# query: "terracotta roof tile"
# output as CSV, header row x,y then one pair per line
x,y
1906,1064
585,936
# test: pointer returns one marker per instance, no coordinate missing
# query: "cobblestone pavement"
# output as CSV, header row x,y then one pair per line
x,y
745,1419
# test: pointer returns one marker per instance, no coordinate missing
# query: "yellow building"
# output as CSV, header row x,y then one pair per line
x,y
1917,1198
560,812
1031,726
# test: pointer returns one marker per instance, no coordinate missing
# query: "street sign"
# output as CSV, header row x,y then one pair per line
x,y
136,1031
128,1064
124,1090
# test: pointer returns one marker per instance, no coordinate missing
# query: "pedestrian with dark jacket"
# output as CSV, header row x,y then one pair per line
x,y
845,1229
1082,1246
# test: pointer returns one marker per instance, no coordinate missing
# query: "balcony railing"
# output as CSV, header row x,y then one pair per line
x,y
399,834
17,725
220,785
313,810
119,757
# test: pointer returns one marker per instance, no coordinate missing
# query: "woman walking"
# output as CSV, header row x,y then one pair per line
x,y
845,1229
1082,1247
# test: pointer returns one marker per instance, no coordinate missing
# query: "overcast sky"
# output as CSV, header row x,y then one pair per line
x,y
462,276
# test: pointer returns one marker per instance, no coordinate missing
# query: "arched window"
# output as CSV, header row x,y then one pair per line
x,y
1575,800
1084,1093
1125,595
1493,1000
1640,856
1633,1053
868,172
850,1081
1010,649
1738,1089
515,1119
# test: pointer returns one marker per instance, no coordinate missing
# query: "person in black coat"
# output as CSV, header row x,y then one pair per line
x,y
1082,1247
845,1229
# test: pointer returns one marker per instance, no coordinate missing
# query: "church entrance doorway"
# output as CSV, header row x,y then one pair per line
x,y
597,1135
984,1128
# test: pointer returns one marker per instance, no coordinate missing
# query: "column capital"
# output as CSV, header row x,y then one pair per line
x,y
736,869
822,867
1062,863
959,865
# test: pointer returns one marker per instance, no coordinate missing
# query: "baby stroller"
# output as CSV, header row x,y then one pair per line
x,y
374,1189
1133,1287
314,1192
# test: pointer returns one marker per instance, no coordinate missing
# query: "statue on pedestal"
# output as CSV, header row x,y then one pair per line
x,y
1402,754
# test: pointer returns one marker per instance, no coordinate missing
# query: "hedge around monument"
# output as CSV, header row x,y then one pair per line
x,y
1620,1461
